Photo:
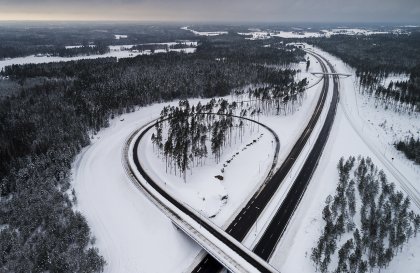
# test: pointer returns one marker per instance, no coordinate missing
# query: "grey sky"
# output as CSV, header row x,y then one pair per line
x,y
215,10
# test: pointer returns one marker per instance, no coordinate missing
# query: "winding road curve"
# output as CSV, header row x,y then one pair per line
x,y
135,138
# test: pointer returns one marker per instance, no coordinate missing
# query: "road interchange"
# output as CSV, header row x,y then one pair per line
x,y
241,225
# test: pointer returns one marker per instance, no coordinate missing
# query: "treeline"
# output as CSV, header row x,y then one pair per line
x,y
367,206
234,48
167,47
399,96
45,124
379,54
41,133
85,50
399,92
411,148
281,96
375,57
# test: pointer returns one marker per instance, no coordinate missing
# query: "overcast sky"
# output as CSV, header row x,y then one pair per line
x,y
214,10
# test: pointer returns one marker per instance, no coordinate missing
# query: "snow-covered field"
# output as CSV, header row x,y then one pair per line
x,y
351,124
44,59
351,31
132,234
118,51
261,34
120,36
205,33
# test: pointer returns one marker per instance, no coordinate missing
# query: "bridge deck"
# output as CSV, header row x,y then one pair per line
x,y
331,74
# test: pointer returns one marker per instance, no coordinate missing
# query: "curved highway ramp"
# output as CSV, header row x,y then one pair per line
x,y
223,247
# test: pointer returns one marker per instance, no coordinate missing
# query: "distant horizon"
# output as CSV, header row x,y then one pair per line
x,y
226,11
205,22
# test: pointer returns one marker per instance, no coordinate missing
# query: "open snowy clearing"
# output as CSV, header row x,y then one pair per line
x,y
205,33
293,252
120,36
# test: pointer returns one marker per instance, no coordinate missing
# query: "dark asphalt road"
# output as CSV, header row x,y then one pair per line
x,y
244,221
278,224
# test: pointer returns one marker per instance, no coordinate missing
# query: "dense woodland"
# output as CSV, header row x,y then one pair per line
x,y
411,148
285,96
377,56
182,138
183,133
83,50
56,107
23,39
367,221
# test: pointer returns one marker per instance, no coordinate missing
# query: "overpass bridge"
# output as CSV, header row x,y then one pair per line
x,y
331,74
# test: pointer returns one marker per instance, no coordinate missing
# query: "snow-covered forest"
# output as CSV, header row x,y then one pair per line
x,y
377,58
184,136
387,71
367,221
49,112
55,109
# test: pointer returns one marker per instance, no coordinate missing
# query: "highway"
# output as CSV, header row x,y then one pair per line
x,y
279,222
247,217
